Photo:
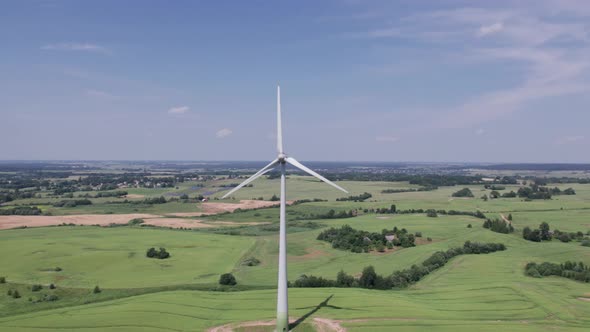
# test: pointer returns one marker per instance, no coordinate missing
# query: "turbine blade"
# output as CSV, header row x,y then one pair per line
x,y
258,174
297,164
279,122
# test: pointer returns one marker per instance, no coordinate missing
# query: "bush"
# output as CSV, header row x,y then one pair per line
x,y
586,243
2,280
252,261
227,279
465,192
431,213
52,286
159,254
429,239
96,290
368,277
36,288
564,237
15,294
498,226
469,226
57,269
51,298
135,221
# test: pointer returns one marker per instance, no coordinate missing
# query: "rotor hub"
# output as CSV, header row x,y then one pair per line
x,y
282,158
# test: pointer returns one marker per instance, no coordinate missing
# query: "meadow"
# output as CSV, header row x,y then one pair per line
x,y
484,292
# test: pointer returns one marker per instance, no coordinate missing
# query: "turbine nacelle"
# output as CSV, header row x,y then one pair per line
x,y
282,158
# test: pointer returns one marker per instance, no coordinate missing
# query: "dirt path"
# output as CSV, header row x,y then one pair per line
x,y
245,204
7,222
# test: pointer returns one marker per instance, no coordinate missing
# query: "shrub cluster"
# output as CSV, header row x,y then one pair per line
x,y
567,237
21,211
252,261
408,190
498,226
73,203
348,238
360,198
465,192
476,214
227,279
399,279
537,235
160,254
534,191
570,270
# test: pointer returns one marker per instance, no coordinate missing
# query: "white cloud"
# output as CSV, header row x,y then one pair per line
x,y
178,110
100,94
81,47
389,139
485,30
569,139
222,133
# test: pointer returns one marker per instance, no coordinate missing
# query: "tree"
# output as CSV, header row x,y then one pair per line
x,y
227,279
393,208
484,197
163,254
344,280
15,294
151,252
494,194
368,277
545,234
96,290
465,192
510,216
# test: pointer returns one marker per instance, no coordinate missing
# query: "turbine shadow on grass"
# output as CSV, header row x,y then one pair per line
x,y
313,311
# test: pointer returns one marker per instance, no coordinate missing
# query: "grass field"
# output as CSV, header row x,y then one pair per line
x,y
472,292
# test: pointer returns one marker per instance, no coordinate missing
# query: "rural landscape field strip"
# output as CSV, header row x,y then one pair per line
x,y
487,292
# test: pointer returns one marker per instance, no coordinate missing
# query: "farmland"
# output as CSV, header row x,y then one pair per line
x,y
485,292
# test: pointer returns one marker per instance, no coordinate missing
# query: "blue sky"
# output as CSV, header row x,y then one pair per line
x,y
361,80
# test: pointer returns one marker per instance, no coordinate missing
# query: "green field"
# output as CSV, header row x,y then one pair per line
x,y
483,292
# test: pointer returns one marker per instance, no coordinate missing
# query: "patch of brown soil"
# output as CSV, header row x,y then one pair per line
x,y
328,325
245,204
383,217
134,196
587,299
310,255
7,222
258,323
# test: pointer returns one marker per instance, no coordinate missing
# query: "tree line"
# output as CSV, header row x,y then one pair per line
x,y
398,279
571,270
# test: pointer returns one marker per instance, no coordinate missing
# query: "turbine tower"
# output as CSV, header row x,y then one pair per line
x,y
281,161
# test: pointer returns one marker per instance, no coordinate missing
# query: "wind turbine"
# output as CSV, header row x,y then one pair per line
x,y
281,160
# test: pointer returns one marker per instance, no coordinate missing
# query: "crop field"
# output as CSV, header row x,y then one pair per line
x,y
471,292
